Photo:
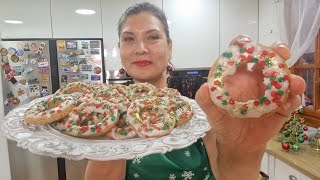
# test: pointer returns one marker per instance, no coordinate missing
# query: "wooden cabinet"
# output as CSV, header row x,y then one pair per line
x,y
308,67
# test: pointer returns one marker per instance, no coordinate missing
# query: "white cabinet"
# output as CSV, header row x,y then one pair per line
x,y
265,164
66,23
284,171
35,15
238,17
278,170
194,28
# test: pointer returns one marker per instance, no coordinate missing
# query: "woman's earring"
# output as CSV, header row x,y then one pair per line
x,y
122,71
169,68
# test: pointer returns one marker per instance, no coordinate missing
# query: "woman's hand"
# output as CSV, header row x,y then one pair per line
x,y
243,136
101,170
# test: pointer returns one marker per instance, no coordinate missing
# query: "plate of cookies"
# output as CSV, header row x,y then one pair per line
x,y
106,122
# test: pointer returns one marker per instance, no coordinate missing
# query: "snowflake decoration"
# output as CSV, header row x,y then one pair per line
x,y
172,177
136,175
187,175
187,153
207,177
137,160
205,168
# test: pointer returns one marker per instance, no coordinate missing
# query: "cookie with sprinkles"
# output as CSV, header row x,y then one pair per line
x,y
275,73
51,109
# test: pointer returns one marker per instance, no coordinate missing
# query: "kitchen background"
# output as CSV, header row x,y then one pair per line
x,y
200,30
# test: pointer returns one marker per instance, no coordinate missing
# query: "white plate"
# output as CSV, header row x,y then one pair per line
x,y
44,140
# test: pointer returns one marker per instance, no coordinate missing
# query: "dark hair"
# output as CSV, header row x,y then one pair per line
x,y
145,7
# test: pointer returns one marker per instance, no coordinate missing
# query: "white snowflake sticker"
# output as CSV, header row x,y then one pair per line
x,y
205,168
187,153
137,160
187,175
207,177
172,177
136,175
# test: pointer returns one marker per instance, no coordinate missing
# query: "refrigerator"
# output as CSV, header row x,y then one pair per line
x,y
80,60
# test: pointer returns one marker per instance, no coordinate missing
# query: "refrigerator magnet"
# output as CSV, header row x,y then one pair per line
x,y
84,76
34,90
26,47
22,95
23,81
71,45
74,76
14,58
44,78
15,101
3,51
95,51
33,61
29,70
74,68
84,45
6,101
20,52
44,91
61,45
95,77
33,80
97,70
86,67
12,50
64,78
44,69
94,44
34,47
4,59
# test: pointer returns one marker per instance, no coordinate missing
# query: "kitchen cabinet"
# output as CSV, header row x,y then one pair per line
x,y
194,28
284,171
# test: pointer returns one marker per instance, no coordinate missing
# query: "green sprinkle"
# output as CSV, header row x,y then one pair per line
x,y
280,79
272,78
218,74
113,118
227,54
269,86
224,102
226,93
93,129
280,92
241,50
262,99
255,60
243,111
74,122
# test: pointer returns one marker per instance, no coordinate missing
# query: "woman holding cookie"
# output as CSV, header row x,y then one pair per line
x,y
234,146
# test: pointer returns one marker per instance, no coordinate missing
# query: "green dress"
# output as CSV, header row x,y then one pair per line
x,y
191,163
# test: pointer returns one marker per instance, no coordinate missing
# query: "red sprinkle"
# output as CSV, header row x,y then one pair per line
x,y
216,82
250,49
278,86
256,103
267,102
231,101
249,58
219,97
262,63
240,45
213,88
264,53
242,57
281,65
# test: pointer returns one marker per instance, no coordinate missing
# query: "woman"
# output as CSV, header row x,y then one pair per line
x,y
233,148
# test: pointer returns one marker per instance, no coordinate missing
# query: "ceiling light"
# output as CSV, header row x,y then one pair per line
x,y
13,22
85,11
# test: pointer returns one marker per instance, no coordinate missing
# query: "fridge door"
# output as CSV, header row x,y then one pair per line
x,y
80,60
25,66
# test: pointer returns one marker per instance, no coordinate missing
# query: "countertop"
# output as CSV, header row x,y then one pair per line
x,y
307,160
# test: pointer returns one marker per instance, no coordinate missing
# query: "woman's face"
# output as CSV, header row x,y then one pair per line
x,y
144,48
